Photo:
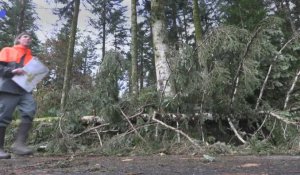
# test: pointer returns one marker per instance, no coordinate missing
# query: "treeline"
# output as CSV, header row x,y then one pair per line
x,y
236,61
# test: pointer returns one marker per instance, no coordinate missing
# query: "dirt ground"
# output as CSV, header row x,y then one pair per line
x,y
157,164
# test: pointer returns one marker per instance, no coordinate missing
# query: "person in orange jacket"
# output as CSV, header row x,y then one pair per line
x,y
12,59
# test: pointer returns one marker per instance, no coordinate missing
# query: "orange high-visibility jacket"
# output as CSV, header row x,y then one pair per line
x,y
14,54
10,57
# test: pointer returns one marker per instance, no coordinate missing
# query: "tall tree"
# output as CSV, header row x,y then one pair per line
x,y
171,19
21,15
69,61
12,24
197,24
146,63
104,12
134,49
161,48
119,30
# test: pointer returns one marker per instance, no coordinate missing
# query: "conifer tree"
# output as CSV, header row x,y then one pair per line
x,y
146,65
104,12
13,24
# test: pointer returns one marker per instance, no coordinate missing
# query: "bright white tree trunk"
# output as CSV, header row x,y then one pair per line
x,y
161,48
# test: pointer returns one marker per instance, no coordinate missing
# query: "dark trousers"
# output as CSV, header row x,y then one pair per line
x,y
25,103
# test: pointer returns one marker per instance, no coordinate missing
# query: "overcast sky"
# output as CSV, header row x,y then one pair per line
x,y
48,21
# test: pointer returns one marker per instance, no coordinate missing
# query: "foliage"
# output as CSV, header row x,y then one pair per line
x,y
224,50
9,24
244,13
106,97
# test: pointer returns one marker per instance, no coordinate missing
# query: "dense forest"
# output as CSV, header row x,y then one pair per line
x,y
196,72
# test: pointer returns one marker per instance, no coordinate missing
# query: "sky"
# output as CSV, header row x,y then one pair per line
x,y
47,22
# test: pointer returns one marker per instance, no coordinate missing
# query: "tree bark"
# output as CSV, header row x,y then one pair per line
x,y
198,29
161,48
134,51
104,31
69,61
21,17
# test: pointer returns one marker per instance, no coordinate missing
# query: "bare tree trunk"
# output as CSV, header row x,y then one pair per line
x,y
197,22
291,90
104,31
161,48
21,16
69,61
141,68
134,51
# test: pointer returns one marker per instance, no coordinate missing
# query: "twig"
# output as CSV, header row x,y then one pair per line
x,y
272,129
99,137
137,133
136,115
284,130
174,129
269,71
90,129
130,131
278,117
290,90
260,126
263,87
156,131
235,131
287,121
137,128
239,70
106,131
178,135
237,79
141,109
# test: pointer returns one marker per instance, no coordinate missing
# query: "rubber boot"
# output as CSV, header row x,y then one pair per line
x,y
19,146
3,154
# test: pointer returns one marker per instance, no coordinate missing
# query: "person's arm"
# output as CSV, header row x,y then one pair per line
x,y
5,69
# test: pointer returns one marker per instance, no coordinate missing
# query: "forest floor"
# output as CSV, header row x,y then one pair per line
x,y
155,164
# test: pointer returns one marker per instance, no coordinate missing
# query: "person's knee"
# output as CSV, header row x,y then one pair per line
x,y
27,119
28,112
5,116
27,106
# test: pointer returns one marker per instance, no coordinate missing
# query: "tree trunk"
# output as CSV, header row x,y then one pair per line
x,y
21,17
134,51
197,21
141,67
104,31
69,62
160,48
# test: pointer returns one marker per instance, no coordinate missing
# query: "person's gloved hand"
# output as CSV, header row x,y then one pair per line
x,y
18,71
